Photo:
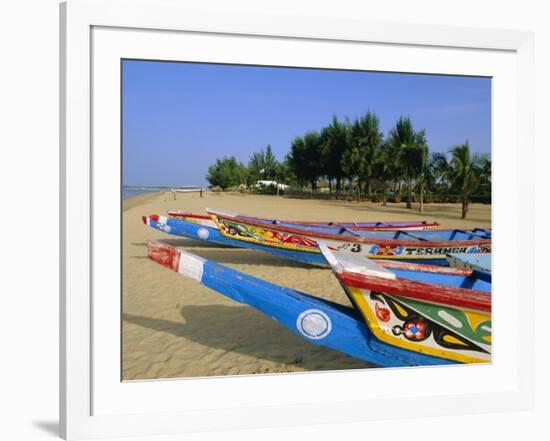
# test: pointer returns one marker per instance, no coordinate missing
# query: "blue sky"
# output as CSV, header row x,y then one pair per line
x,y
179,117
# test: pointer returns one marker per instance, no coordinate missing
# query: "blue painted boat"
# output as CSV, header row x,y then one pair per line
x,y
178,227
434,310
429,247
396,245
319,321
316,225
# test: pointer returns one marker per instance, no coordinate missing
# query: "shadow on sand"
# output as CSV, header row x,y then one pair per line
x,y
278,344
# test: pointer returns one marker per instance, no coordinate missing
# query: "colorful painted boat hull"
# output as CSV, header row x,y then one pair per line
x,y
319,321
321,226
373,245
191,230
434,311
199,219
310,255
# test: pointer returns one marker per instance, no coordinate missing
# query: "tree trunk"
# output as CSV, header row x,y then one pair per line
x,y
464,206
358,190
330,185
409,193
337,184
421,209
384,193
313,186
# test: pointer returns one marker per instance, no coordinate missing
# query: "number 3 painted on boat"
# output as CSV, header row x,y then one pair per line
x,y
355,248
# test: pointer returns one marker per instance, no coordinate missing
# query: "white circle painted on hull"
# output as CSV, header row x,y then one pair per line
x,y
314,324
203,233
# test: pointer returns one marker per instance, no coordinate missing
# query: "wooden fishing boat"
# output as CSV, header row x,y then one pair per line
x,y
303,249
397,332
422,246
203,232
320,226
444,312
199,219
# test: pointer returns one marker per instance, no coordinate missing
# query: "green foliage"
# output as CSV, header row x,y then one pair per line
x,y
465,172
262,165
383,168
356,156
335,139
363,147
227,172
303,158
411,152
464,169
438,173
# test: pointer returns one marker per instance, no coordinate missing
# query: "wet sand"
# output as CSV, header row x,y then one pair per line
x,y
174,327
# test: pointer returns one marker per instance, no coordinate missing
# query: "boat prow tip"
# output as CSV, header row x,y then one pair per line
x,y
163,254
347,262
329,256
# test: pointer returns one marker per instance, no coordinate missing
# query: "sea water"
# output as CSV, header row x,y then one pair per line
x,y
133,191
127,192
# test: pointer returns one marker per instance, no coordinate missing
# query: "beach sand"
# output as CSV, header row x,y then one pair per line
x,y
174,327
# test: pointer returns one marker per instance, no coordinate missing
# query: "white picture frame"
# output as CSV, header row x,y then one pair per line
x,y
86,414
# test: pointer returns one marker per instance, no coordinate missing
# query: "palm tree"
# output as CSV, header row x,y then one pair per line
x,y
403,139
367,139
464,173
383,167
485,175
303,158
335,141
353,164
270,163
439,170
423,165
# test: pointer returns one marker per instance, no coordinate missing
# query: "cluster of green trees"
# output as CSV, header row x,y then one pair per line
x,y
263,165
356,155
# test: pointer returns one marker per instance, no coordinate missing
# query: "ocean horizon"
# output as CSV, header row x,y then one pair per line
x,y
129,191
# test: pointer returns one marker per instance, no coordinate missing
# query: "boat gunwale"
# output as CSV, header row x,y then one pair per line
x,y
425,268
362,240
337,225
421,291
176,214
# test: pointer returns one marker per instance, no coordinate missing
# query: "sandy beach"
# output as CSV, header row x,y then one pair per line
x,y
173,327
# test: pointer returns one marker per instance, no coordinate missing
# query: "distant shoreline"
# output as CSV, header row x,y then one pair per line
x,y
135,200
131,192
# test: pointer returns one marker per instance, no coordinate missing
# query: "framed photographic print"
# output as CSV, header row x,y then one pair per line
x,y
274,220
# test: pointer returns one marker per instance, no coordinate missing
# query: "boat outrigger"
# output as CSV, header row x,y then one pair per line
x,y
397,320
319,225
